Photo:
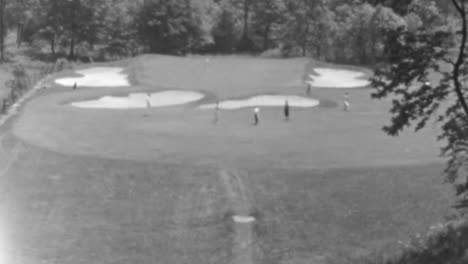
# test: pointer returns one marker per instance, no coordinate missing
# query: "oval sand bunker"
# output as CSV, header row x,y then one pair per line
x,y
97,77
265,100
337,78
242,219
140,100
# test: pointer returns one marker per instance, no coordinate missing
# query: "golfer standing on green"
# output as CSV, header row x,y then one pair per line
x,y
256,116
286,110
309,87
346,101
216,117
148,104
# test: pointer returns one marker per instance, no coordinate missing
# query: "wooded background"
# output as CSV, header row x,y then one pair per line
x,y
341,31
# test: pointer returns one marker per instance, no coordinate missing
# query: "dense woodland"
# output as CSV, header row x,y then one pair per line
x,y
346,31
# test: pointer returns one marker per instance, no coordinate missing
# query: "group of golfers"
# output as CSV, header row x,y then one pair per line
x,y
286,109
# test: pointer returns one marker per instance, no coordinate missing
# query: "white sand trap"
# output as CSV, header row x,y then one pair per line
x,y
241,219
265,100
140,100
97,77
333,78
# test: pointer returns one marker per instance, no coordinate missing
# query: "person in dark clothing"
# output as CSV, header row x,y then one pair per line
x,y
256,115
216,117
75,85
309,87
286,111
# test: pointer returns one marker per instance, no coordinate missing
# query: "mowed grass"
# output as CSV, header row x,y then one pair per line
x,y
320,137
75,209
116,187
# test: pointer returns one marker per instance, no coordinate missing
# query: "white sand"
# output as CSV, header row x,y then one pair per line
x,y
97,77
333,78
241,219
265,100
139,100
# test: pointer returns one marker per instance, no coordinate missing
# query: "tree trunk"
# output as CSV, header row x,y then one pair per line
x,y
71,54
304,40
246,17
2,30
266,37
52,45
19,34
461,9
319,38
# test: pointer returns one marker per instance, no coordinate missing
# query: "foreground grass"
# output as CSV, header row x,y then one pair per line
x,y
79,210
75,209
337,214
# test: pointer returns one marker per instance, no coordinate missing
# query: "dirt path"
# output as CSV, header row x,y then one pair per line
x,y
242,251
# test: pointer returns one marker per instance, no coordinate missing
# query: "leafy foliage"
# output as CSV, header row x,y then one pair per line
x,y
411,57
338,31
170,26
443,243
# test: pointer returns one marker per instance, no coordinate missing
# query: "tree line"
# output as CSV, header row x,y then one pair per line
x,y
333,30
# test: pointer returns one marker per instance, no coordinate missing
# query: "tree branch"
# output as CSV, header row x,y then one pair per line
x,y
447,60
460,7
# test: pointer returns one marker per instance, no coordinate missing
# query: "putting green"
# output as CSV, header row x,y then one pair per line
x,y
313,138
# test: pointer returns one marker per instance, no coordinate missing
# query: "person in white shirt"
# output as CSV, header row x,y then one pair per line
x,y
346,103
148,103
256,116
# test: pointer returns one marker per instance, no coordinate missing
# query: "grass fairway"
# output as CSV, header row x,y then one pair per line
x,y
114,186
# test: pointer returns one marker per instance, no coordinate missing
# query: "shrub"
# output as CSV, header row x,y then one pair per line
x,y
442,244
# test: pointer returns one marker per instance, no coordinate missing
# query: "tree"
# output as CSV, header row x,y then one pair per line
x,y
428,12
323,32
49,22
413,22
414,58
82,20
245,43
382,20
19,14
2,30
118,30
353,36
267,15
299,23
361,30
224,32
70,23
169,26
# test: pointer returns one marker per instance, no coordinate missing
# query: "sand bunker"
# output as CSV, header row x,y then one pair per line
x,y
265,100
241,219
97,77
333,78
140,100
